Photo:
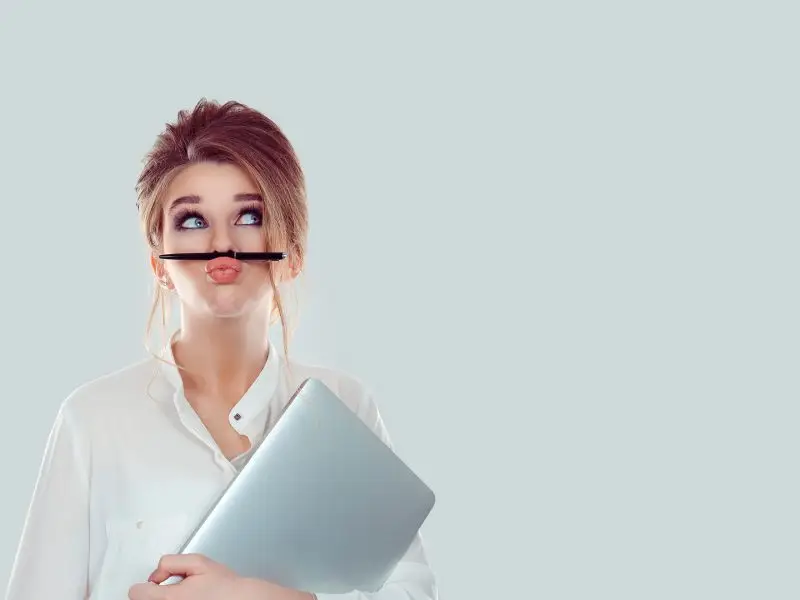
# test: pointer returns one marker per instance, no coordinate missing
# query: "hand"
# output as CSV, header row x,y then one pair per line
x,y
205,579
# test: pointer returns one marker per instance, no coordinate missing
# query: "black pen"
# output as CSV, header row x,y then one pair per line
x,y
268,256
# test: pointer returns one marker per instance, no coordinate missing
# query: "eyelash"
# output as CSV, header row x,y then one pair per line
x,y
190,213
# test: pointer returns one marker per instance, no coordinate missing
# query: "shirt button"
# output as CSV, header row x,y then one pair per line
x,y
237,416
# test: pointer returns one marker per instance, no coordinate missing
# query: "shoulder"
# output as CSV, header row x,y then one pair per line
x,y
98,405
109,392
352,390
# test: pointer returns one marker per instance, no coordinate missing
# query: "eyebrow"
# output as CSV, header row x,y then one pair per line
x,y
195,199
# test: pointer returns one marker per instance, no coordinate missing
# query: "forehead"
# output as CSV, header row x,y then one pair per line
x,y
212,182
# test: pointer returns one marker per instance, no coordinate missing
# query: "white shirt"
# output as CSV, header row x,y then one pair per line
x,y
129,470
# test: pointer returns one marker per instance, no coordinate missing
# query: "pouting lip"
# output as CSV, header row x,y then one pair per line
x,y
223,263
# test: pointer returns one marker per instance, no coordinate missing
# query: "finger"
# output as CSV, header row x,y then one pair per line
x,y
146,591
183,565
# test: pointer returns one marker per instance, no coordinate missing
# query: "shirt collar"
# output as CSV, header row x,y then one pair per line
x,y
249,414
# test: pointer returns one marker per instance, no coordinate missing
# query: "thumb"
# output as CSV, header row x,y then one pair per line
x,y
183,565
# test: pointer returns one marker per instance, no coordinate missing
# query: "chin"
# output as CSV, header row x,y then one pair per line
x,y
230,310
230,303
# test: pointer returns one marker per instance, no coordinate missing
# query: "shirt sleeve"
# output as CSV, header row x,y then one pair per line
x,y
53,553
412,578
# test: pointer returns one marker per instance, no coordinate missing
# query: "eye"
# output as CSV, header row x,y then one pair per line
x,y
250,216
189,219
192,222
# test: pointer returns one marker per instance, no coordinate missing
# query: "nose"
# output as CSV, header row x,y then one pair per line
x,y
221,240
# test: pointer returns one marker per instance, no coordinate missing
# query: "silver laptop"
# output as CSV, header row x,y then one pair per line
x,y
322,506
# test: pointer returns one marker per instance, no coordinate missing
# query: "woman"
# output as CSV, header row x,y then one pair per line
x,y
136,457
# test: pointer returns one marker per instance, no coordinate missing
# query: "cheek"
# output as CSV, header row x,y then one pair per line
x,y
250,239
184,241
258,275
185,275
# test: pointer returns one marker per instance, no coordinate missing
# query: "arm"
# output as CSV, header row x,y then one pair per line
x,y
52,555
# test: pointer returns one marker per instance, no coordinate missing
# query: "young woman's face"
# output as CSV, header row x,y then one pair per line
x,y
212,207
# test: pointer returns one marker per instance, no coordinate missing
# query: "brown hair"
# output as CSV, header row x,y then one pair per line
x,y
230,133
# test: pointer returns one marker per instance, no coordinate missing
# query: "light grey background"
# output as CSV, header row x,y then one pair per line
x,y
557,238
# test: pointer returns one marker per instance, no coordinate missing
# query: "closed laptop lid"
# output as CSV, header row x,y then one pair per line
x,y
323,505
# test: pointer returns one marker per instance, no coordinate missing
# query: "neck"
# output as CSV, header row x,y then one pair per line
x,y
223,357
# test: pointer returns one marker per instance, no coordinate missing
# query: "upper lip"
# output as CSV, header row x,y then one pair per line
x,y
223,263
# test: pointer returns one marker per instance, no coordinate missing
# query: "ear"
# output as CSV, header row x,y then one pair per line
x,y
293,268
160,272
287,269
